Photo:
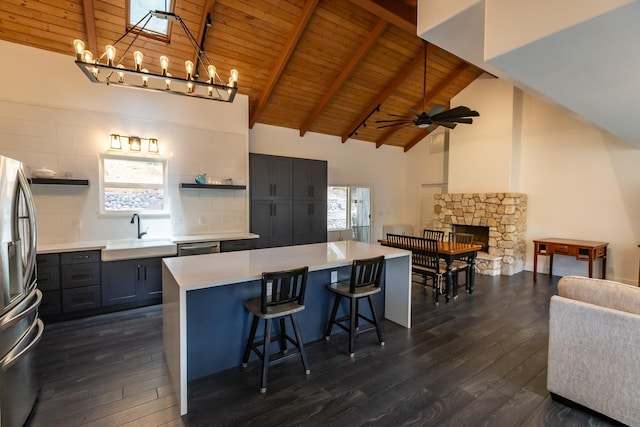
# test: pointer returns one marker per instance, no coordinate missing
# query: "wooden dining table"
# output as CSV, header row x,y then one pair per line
x,y
449,252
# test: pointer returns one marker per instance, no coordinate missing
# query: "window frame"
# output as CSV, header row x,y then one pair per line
x,y
348,208
147,33
165,211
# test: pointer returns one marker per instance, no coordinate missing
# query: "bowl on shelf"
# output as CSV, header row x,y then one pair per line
x,y
44,173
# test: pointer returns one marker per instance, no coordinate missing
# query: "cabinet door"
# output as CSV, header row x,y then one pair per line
x,y
152,278
309,222
80,275
260,187
280,177
270,177
281,231
121,281
271,220
309,179
261,222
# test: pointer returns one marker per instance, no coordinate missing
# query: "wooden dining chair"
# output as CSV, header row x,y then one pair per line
x,y
463,265
433,234
427,263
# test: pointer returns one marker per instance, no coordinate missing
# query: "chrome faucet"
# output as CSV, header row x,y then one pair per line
x,y
133,218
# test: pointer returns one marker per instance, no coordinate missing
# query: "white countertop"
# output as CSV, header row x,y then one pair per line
x,y
101,244
204,271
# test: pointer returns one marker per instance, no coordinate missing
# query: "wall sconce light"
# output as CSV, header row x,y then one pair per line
x,y
115,143
134,143
153,145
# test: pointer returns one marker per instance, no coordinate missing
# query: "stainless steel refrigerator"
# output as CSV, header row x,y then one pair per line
x,y
20,327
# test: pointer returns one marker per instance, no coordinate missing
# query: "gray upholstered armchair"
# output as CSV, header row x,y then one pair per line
x,y
594,346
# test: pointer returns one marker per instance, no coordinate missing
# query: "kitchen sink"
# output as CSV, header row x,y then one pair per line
x,y
138,248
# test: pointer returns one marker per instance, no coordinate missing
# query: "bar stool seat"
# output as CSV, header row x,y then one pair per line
x,y
282,296
364,282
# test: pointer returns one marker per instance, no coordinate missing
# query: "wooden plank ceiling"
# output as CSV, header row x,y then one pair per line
x,y
312,65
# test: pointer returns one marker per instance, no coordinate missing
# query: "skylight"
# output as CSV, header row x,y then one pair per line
x,y
139,8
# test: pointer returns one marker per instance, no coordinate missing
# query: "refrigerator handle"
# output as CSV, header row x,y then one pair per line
x,y
18,353
33,241
19,312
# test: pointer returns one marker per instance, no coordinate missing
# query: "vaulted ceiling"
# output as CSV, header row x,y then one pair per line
x,y
327,66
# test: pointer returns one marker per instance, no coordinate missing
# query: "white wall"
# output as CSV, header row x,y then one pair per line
x,y
581,182
59,119
352,163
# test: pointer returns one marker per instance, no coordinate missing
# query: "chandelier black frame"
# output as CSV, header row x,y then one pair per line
x,y
111,72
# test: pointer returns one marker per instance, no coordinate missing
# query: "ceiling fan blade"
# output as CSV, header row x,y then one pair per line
x,y
456,112
396,124
438,108
464,120
414,112
449,125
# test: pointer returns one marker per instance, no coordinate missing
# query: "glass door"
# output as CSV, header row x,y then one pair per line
x,y
361,213
349,212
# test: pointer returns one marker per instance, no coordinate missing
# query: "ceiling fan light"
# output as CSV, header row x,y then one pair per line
x,y
423,125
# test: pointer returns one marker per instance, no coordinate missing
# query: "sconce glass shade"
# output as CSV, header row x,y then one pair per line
x,y
115,143
153,145
134,143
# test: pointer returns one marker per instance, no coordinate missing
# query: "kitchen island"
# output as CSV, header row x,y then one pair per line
x,y
205,326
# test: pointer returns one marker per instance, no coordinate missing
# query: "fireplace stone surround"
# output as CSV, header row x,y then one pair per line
x,y
505,214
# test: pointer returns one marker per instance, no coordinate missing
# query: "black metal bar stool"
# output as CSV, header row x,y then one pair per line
x,y
282,297
365,282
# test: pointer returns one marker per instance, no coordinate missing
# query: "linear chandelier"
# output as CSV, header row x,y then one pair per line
x,y
106,69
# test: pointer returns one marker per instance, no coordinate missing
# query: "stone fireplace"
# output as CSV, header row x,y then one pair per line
x,y
504,215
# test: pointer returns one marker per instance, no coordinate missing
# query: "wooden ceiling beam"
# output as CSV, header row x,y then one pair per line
x,y
206,11
428,98
372,37
383,96
263,98
90,23
393,11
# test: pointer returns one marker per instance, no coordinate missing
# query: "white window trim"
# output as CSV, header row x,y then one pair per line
x,y
125,213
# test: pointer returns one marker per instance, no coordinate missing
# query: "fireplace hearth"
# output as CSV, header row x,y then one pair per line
x,y
503,215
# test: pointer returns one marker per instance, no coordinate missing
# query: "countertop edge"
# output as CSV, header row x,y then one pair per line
x,y
48,248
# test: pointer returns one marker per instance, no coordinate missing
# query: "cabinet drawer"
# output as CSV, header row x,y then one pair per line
x,y
46,260
79,257
237,245
76,276
558,249
81,298
48,278
51,303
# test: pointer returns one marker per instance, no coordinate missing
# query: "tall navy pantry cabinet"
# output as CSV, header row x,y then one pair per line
x,y
288,200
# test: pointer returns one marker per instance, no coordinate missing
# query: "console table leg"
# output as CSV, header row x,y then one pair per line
x,y
551,265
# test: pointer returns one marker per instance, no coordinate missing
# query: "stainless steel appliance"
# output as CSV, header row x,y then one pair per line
x,y
20,327
197,248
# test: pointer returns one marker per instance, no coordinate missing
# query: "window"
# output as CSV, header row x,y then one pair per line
x,y
132,184
156,27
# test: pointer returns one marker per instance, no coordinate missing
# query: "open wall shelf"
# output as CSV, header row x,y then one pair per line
x,y
59,181
212,186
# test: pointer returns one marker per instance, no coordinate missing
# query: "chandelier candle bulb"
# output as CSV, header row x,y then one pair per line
x,y
145,79
111,54
120,74
234,75
78,45
188,65
137,57
164,64
211,71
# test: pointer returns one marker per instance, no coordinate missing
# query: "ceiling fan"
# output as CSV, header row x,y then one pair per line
x,y
435,116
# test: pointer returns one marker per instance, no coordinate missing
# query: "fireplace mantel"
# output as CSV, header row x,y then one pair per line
x,y
504,213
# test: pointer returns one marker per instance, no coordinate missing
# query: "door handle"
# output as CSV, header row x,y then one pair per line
x,y
138,272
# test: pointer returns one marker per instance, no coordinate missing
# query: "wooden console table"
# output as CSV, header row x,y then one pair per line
x,y
583,250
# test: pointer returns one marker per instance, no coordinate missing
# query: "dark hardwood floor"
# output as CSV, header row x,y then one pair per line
x,y
479,360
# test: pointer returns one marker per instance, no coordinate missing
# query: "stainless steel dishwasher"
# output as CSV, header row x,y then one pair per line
x,y
197,248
